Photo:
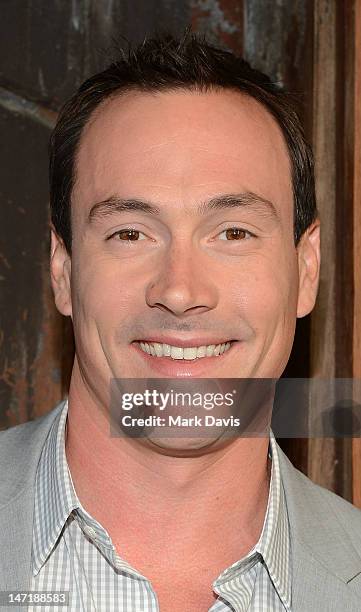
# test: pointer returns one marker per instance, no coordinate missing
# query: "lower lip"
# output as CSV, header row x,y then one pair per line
x,y
183,367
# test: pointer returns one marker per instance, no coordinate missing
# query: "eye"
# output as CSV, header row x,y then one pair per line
x,y
236,233
128,235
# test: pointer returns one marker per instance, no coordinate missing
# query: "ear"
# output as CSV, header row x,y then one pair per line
x,y
309,258
60,272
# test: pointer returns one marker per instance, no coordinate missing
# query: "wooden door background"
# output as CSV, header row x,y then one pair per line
x,y
48,48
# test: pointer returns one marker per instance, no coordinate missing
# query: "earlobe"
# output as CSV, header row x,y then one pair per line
x,y
60,272
309,259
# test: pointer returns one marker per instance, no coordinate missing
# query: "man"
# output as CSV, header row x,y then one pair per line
x,y
185,243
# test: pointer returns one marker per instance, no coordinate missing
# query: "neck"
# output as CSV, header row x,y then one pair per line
x,y
129,487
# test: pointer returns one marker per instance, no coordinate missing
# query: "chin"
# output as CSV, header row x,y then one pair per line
x,y
187,446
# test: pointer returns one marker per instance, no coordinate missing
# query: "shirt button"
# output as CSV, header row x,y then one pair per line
x,y
90,532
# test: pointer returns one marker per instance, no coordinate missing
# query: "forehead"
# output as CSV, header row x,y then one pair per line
x,y
180,147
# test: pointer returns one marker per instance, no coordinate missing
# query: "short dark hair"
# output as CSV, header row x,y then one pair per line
x,y
164,63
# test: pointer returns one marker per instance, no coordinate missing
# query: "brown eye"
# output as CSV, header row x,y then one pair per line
x,y
235,233
128,234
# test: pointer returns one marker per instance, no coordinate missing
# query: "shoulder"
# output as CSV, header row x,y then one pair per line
x,y
309,493
29,432
319,518
20,449
336,510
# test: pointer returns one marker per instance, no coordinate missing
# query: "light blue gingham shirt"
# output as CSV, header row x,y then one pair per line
x,y
73,552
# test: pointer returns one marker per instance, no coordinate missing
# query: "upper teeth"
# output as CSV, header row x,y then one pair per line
x,y
177,352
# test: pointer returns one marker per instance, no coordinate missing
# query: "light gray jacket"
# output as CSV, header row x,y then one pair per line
x,y
325,530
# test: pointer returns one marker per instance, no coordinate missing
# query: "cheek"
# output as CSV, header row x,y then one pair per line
x,y
103,293
270,306
266,295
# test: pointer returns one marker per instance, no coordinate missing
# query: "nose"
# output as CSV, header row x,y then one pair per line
x,y
182,285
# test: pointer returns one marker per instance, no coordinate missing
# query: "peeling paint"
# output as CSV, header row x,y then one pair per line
x,y
56,376
45,373
16,104
214,15
220,20
75,14
274,36
14,376
41,82
4,261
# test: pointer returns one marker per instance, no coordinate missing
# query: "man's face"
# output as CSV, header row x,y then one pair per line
x,y
215,263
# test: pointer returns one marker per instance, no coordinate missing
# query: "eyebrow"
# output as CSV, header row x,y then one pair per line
x,y
114,205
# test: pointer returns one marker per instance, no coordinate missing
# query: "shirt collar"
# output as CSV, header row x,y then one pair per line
x,y
55,500
273,545
55,497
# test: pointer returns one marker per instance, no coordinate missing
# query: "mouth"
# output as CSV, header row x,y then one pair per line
x,y
183,353
195,357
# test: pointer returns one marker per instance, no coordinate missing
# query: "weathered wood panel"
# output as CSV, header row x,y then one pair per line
x,y
28,328
356,115
322,453
48,48
332,334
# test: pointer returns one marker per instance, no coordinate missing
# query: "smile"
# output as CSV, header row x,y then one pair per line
x,y
157,349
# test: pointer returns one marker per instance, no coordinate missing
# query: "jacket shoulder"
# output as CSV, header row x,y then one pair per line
x,y
328,524
339,503
20,449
